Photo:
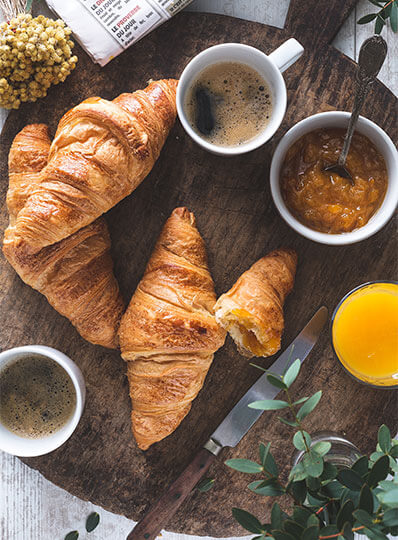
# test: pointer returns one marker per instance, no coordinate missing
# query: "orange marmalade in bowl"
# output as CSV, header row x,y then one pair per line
x,y
325,201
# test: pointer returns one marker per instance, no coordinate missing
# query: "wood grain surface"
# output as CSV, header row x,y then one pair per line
x,y
232,202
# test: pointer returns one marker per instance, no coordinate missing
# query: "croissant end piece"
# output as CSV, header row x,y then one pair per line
x,y
101,152
252,311
168,334
75,274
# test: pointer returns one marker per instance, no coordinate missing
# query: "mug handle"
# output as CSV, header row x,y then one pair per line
x,y
286,54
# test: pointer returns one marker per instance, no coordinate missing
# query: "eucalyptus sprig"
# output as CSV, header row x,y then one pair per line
x,y
388,10
326,502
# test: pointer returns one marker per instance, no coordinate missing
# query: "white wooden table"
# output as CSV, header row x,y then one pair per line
x,y
31,508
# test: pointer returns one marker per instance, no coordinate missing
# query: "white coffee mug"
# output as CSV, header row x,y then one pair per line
x,y
269,67
22,446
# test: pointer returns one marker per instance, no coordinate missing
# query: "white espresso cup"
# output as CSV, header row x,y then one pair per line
x,y
269,67
23,446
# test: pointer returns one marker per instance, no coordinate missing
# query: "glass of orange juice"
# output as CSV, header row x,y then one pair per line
x,y
364,332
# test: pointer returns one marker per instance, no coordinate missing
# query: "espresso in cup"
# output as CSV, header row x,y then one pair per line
x,y
37,397
228,104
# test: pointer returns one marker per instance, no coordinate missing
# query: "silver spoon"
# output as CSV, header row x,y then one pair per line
x,y
371,58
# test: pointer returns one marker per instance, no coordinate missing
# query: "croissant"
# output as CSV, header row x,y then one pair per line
x,y
75,274
169,335
101,152
252,310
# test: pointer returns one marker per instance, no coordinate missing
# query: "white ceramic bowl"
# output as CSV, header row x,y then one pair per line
x,y
24,447
270,68
382,142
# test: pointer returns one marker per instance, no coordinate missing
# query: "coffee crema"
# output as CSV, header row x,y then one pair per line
x,y
228,104
37,397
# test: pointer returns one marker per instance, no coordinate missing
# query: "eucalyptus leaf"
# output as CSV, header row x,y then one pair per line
x,y
299,491
276,516
374,534
366,499
311,533
330,471
394,17
205,485
92,521
390,518
248,521
313,464
298,472
345,514
282,535
394,450
291,423
361,466
299,401
367,18
309,405
322,447
269,405
244,465
73,535
263,451
350,479
301,515
379,471
291,374
275,381
271,490
380,22
384,438
347,531
270,465
363,517
328,530
389,498
293,528
301,440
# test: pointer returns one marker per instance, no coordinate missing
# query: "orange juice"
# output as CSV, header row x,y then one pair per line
x,y
365,333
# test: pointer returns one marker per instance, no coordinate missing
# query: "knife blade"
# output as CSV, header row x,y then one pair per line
x,y
241,418
231,430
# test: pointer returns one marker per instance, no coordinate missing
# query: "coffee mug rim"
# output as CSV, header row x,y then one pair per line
x,y
382,215
264,136
23,446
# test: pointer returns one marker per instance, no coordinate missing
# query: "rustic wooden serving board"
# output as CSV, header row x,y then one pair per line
x,y
232,202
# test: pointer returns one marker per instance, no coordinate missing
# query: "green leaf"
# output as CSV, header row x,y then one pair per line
x,y
270,490
379,471
330,471
345,514
73,535
276,382
380,22
361,466
301,515
309,405
313,464
311,533
299,401
389,498
366,499
263,451
270,465
298,473
367,18
333,489
390,518
374,534
92,521
384,438
205,485
282,535
276,516
313,520
347,531
301,440
293,528
350,479
322,447
291,374
269,405
363,518
394,17
299,491
244,465
328,530
248,521
290,423
394,451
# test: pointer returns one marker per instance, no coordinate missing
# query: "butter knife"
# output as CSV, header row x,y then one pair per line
x,y
231,430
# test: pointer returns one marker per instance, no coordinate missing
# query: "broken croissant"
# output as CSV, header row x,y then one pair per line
x,y
76,274
101,152
252,311
169,335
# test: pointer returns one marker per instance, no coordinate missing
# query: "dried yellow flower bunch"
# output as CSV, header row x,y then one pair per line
x,y
34,54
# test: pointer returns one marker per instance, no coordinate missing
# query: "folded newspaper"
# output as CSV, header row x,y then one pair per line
x,y
105,28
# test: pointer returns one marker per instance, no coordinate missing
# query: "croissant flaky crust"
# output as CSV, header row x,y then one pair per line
x,y
168,334
101,152
252,310
75,274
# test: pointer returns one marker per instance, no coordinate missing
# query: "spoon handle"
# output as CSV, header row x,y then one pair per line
x,y
371,57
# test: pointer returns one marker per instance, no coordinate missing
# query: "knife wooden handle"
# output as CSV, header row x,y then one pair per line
x,y
164,509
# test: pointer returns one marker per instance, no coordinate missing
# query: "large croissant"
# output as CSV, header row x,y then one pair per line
x,y
168,334
252,310
101,152
74,274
